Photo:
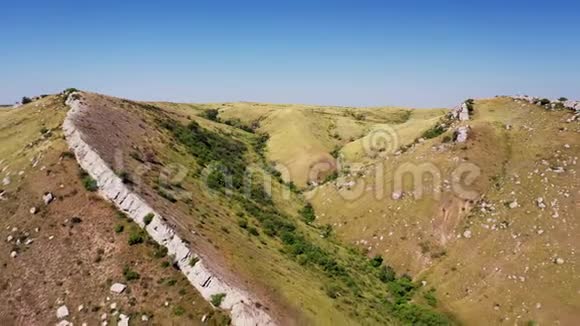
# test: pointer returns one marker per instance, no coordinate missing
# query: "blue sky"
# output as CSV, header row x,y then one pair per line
x,y
413,53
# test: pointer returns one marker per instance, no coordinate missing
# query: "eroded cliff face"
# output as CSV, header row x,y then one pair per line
x,y
244,309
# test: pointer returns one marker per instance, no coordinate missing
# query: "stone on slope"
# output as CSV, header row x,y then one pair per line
x,y
62,312
118,288
461,134
47,198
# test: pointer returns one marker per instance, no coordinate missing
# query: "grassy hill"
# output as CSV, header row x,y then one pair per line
x,y
487,236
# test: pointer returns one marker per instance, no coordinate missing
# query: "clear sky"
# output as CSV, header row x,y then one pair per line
x,y
413,53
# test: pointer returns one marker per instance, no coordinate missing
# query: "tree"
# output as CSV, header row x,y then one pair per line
x,y
26,100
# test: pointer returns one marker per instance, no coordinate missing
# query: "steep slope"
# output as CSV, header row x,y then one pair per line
x,y
490,224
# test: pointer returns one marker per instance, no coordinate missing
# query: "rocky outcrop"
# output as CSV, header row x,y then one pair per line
x,y
461,112
549,103
461,134
244,309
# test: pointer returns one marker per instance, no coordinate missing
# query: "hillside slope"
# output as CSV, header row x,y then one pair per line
x,y
303,138
193,172
492,225
70,251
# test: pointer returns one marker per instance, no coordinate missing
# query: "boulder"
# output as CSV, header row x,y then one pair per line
x,y
62,312
467,234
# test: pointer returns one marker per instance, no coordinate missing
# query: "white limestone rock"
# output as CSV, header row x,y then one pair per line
x,y
62,312
118,288
461,134
47,198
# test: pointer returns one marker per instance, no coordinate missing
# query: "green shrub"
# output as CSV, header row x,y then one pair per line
x,y
119,228
125,177
26,100
430,298
69,91
253,231
434,131
544,101
148,218
308,214
67,154
243,223
136,238
129,274
171,282
335,152
160,251
387,274
331,177
89,183
178,310
217,299
193,261
376,261
211,114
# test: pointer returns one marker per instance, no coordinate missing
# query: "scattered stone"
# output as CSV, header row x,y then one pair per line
x,y
62,312
513,204
559,261
33,210
13,254
540,202
81,308
204,318
566,146
64,323
396,195
6,181
123,320
144,318
113,306
118,288
104,316
48,198
467,234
